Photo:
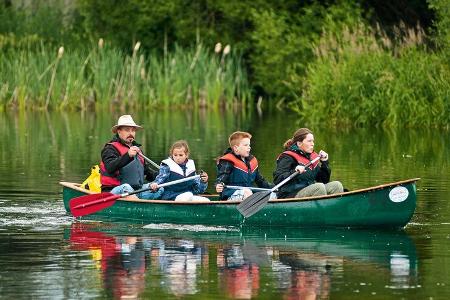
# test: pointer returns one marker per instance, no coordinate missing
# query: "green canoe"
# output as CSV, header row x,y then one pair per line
x,y
389,206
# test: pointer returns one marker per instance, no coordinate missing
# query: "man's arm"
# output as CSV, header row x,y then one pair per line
x,y
150,174
113,160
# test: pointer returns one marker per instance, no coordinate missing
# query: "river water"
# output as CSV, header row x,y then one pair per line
x,y
45,254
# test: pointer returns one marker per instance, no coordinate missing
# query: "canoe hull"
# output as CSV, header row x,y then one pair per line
x,y
387,206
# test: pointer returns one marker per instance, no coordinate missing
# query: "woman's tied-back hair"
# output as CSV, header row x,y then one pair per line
x,y
299,136
179,144
236,137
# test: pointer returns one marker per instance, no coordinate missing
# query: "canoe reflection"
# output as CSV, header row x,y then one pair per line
x,y
241,265
238,276
178,261
121,260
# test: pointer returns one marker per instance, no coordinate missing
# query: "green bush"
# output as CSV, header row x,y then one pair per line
x,y
291,50
360,77
283,44
27,26
442,22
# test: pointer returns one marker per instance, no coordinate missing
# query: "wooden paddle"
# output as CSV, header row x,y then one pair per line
x,y
90,204
255,202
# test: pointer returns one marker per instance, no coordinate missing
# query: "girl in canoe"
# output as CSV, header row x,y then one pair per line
x,y
311,181
178,166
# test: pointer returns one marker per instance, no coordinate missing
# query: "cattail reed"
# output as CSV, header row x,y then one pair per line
x,y
86,78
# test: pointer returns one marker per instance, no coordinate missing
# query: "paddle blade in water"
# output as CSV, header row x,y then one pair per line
x,y
253,203
90,204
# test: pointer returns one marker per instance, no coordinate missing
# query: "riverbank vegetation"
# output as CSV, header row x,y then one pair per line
x,y
335,62
363,77
104,76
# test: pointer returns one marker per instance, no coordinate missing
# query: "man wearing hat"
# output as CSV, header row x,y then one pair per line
x,y
122,169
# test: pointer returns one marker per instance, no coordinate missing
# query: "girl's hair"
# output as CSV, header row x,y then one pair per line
x,y
236,137
299,136
180,144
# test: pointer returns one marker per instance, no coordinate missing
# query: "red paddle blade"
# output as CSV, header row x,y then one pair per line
x,y
90,204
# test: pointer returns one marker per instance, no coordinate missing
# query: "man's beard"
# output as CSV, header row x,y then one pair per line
x,y
129,140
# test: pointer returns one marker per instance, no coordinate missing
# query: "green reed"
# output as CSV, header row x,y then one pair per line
x,y
104,76
362,77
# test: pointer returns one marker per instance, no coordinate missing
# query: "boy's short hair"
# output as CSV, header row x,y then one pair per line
x,y
236,137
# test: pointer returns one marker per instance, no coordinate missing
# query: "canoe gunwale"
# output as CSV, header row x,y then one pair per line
x,y
359,191
77,187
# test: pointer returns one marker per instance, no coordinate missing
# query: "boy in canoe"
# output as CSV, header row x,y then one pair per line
x,y
238,167
122,169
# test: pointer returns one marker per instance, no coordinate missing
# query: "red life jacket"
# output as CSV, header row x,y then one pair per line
x,y
303,160
240,164
241,174
107,179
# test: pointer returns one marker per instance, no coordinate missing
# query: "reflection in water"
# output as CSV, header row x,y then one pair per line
x,y
309,274
124,261
242,265
401,270
42,149
179,262
238,276
120,259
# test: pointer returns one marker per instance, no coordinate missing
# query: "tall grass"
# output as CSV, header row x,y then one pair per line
x,y
104,76
362,77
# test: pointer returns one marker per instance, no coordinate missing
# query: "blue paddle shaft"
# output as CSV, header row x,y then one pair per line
x,y
235,187
162,185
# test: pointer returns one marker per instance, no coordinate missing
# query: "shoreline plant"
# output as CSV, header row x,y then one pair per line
x,y
361,77
104,76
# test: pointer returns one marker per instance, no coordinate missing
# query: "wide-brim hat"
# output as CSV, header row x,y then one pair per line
x,y
125,120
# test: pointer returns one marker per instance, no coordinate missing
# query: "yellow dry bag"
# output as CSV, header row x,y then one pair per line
x,y
92,183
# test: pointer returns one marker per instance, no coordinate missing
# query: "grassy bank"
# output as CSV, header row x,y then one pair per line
x,y
362,77
105,76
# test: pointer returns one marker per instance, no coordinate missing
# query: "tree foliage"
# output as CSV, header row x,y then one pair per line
x,y
276,38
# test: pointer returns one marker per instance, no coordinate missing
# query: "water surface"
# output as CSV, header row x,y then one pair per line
x,y
46,254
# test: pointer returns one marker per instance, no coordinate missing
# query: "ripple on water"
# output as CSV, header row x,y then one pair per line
x,y
38,215
195,228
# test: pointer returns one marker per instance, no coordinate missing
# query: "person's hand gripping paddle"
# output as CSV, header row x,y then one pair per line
x,y
257,201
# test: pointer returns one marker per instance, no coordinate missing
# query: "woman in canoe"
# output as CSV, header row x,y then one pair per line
x,y
311,181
